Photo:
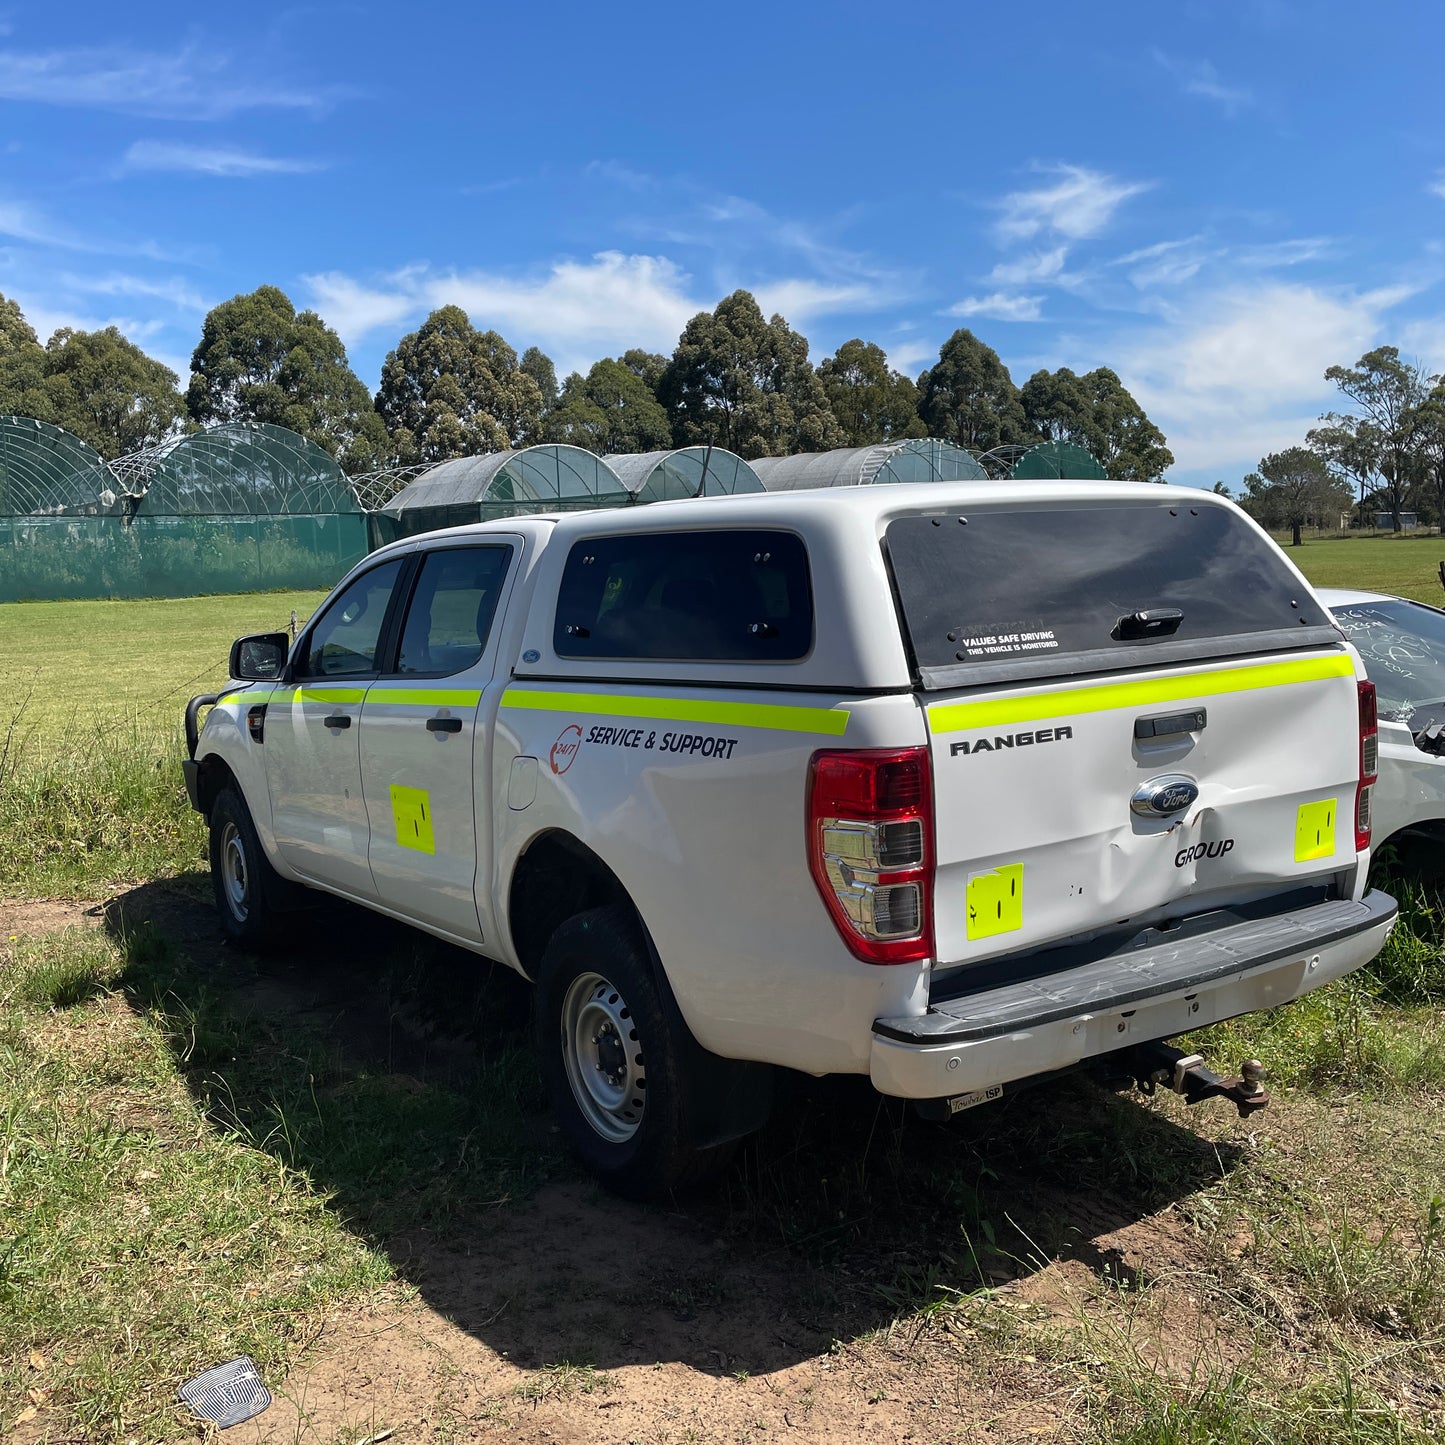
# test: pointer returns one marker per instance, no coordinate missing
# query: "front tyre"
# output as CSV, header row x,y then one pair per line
x,y
611,1058
241,874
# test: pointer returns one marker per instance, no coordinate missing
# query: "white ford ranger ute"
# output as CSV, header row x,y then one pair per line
x,y
952,786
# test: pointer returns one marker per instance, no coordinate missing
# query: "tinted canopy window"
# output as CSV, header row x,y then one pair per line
x,y
740,596
1030,592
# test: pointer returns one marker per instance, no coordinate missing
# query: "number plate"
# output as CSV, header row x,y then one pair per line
x,y
960,1102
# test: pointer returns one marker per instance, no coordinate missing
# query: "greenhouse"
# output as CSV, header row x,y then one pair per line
x,y
688,472
237,508
499,484
918,460
1050,460
233,509
52,488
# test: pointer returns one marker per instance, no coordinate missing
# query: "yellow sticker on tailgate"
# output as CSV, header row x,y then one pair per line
x,y
996,901
1314,830
411,810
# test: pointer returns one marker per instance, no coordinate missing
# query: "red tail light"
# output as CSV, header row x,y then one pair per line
x,y
870,849
1369,763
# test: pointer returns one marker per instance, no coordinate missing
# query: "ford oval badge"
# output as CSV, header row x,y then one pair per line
x,y
1160,797
531,655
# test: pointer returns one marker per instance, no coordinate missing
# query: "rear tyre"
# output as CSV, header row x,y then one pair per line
x,y
612,1061
244,880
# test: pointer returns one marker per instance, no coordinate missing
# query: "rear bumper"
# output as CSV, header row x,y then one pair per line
x,y
1058,1020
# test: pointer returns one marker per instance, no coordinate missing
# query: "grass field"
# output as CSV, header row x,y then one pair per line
x,y
339,1162
1404,565
106,664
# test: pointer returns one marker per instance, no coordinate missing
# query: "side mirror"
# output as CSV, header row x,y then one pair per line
x,y
260,658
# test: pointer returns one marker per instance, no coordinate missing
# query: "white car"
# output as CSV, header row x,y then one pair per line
x,y
950,786
1402,644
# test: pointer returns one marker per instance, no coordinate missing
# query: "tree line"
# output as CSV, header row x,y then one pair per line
x,y
735,379
1382,453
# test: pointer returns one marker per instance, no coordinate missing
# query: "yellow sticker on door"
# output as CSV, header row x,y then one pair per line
x,y
411,810
1314,830
996,901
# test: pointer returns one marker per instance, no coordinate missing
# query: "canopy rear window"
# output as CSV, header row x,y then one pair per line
x,y
991,594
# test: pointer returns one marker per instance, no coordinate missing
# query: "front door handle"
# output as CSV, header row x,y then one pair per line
x,y
444,724
341,720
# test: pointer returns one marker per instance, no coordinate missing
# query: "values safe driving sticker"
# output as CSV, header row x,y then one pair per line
x,y
996,901
411,811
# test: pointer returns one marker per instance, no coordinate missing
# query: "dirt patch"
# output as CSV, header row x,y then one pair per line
x,y
35,918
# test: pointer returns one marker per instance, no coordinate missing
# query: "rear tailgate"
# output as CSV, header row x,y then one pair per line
x,y
1136,710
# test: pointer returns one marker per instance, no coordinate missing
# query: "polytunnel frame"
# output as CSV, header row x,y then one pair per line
x,y
664,476
46,471
510,478
943,461
1053,461
215,473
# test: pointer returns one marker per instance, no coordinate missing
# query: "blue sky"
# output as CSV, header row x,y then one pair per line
x,y
1217,200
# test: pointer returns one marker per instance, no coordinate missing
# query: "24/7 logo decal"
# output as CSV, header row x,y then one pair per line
x,y
564,750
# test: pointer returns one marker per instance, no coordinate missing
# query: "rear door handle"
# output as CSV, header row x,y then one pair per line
x,y
444,724
341,720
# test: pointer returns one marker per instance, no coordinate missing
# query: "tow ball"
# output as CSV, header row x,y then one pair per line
x,y
1156,1066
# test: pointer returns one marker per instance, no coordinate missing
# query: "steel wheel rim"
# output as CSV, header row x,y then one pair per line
x,y
235,879
603,1056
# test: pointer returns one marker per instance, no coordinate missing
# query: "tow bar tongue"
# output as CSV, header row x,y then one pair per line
x,y
1160,1066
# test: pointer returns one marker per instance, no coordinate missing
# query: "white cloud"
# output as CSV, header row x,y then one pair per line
x,y
173,289
1040,266
1437,186
1080,204
149,155
24,223
998,307
352,310
576,310
186,83
1287,253
1241,372
911,357
799,300
1167,263
1200,78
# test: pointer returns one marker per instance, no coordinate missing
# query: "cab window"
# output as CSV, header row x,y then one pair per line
x,y
344,642
451,610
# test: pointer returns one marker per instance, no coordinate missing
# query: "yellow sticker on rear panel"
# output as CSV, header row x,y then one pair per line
x,y
1314,830
411,809
996,901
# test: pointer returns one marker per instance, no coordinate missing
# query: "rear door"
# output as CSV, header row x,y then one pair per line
x,y
421,750
1136,710
312,738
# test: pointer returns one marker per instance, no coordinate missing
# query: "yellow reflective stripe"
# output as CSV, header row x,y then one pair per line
x,y
320,694
426,697
829,720
249,697
952,717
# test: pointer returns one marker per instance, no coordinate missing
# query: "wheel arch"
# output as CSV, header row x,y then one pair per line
x,y
557,877
215,774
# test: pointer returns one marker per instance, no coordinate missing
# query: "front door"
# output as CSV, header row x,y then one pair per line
x,y
421,749
313,739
